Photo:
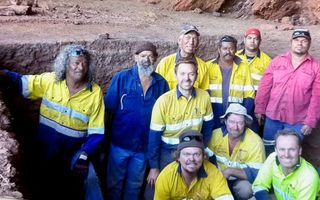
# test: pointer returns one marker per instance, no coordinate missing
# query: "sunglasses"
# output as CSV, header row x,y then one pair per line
x,y
78,52
192,137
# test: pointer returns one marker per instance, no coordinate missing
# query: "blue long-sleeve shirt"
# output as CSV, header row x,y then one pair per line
x,y
131,109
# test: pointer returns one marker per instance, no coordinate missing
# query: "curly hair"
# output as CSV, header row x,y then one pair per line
x,y
61,62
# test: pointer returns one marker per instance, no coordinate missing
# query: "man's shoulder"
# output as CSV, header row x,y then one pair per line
x,y
168,59
252,137
201,93
168,96
307,169
171,168
210,168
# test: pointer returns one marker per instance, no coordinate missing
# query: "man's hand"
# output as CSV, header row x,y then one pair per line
x,y
306,130
260,118
82,164
226,173
152,177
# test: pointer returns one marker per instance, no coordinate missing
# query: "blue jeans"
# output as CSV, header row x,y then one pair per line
x,y
91,184
271,128
125,173
166,157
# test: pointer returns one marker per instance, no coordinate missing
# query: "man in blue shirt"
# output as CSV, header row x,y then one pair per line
x,y
129,102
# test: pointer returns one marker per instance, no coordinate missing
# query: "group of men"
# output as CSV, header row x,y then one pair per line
x,y
188,108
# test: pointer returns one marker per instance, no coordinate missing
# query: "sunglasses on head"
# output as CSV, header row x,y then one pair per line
x,y
78,52
188,138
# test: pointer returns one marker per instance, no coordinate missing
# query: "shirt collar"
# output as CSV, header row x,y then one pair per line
x,y
258,53
236,60
178,56
179,94
201,173
289,56
295,167
89,86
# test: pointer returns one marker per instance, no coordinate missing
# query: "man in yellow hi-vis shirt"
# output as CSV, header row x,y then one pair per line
x,y
188,42
182,108
191,176
71,125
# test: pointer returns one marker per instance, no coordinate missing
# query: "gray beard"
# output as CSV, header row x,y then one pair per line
x,y
145,70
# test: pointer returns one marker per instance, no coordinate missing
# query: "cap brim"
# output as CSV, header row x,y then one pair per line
x,y
304,36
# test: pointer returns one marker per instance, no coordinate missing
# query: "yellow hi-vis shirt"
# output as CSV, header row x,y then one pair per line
x,y
77,116
210,184
301,184
240,82
166,69
173,114
257,66
248,153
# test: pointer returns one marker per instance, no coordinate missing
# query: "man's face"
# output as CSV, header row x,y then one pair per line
x,y
191,159
252,42
186,75
145,61
236,125
227,51
188,43
288,151
300,45
78,69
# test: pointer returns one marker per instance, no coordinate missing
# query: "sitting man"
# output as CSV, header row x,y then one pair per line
x,y
190,176
239,151
286,172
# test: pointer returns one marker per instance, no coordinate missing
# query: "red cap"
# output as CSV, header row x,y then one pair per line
x,y
253,31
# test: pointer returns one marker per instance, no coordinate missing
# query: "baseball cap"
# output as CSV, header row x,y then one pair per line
x,y
236,108
301,33
186,28
253,31
146,46
190,138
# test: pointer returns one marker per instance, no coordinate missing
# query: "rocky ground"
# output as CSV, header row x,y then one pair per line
x,y
31,35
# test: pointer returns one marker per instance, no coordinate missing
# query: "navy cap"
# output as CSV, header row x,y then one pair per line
x,y
301,33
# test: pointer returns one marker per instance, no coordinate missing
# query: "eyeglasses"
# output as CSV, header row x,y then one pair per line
x,y
188,138
194,155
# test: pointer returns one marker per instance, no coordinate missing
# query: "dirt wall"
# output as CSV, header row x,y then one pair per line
x,y
109,55
8,155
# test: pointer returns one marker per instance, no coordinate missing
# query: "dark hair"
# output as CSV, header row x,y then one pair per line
x,y
287,132
185,61
227,38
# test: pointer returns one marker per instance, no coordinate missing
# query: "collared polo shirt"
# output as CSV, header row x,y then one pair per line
x,y
257,65
166,69
301,184
76,116
210,184
241,88
248,154
173,113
